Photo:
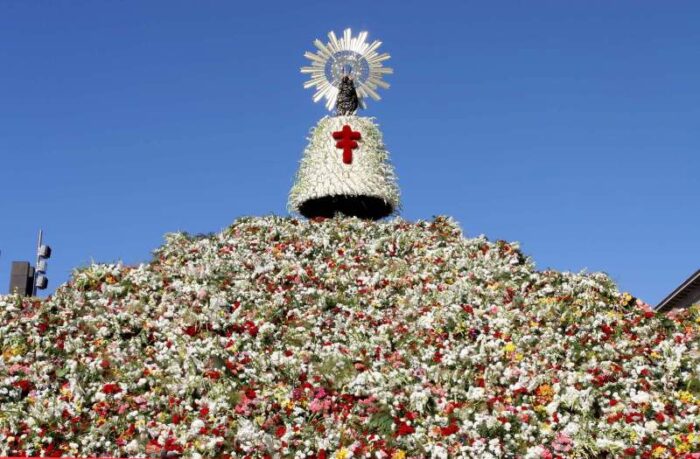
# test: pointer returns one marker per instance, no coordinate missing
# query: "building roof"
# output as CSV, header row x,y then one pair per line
x,y
684,295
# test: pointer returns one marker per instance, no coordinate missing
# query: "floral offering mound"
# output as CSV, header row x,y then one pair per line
x,y
345,338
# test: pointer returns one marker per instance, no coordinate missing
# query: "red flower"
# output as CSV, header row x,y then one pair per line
x,y
111,388
170,445
191,330
251,328
250,393
153,447
281,430
449,430
404,429
24,385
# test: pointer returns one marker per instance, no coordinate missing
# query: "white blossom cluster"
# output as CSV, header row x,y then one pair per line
x,y
322,171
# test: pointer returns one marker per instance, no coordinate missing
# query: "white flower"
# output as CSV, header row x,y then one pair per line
x,y
132,446
571,429
476,393
651,426
608,444
641,397
552,407
438,452
196,425
534,452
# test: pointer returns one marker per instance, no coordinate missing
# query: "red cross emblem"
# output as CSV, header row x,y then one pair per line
x,y
347,140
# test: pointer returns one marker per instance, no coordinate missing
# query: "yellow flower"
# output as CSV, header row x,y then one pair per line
x,y
342,453
686,397
625,299
400,454
518,357
509,347
659,451
614,315
12,352
545,394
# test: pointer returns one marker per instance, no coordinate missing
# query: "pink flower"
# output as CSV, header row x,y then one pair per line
x,y
244,406
317,405
368,401
16,368
562,443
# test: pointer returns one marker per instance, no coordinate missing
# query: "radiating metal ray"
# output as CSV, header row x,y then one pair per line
x,y
347,55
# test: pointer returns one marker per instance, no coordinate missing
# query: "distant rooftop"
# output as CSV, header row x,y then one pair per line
x,y
687,294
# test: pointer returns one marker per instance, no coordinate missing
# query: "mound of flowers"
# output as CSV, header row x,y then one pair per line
x,y
344,339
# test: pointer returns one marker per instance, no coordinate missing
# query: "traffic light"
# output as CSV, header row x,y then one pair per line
x,y
41,282
43,253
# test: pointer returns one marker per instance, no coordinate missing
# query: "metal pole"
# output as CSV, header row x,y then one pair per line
x,y
38,246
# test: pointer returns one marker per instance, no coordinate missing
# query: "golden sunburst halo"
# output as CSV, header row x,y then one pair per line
x,y
351,56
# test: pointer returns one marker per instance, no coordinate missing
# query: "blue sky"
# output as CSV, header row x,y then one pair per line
x,y
571,127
